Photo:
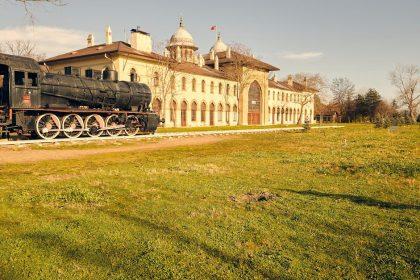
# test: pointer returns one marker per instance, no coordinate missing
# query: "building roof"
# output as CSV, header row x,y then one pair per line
x,y
192,68
284,85
116,47
245,59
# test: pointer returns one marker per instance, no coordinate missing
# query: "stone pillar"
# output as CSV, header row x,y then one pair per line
x,y
178,116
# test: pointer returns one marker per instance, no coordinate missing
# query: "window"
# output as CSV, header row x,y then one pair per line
x,y
203,86
282,96
33,79
173,83
194,112
184,83
156,79
133,75
19,78
220,113
194,85
235,113
227,89
278,96
203,112
212,87
220,88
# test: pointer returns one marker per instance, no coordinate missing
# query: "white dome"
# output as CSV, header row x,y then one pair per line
x,y
219,46
182,37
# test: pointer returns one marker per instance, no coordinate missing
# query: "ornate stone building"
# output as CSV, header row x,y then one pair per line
x,y
222,87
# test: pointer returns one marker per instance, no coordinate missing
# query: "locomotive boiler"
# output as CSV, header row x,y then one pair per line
x,y
46,105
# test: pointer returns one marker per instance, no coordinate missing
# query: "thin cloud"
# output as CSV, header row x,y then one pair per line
x,y
49,40
302,56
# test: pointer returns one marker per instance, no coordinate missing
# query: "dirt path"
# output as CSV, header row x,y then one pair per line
x,y
29,155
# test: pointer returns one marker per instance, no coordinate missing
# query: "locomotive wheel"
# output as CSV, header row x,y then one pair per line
x,y
94,125
132,126
47,126
73,126
113,121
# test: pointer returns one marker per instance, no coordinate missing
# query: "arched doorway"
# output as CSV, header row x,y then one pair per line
x,y
184,113
203,112
211,114
194,111
254,104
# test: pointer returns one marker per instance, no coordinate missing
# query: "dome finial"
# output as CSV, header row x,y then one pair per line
x,y
219,36
181,21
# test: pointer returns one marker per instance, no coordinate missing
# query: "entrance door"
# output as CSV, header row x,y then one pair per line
x,y
184,114
211,114
254,104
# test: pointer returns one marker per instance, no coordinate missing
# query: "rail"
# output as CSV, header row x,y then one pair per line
x,y
159,135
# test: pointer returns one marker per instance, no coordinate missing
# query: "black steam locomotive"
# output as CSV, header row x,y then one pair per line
x,y
47,105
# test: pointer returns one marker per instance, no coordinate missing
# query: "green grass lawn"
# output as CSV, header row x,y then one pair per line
x,y
212,128
346,204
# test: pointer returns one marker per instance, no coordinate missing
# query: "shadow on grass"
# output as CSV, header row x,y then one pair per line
x,y
358,199
180,237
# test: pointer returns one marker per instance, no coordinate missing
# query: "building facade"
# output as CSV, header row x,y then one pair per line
x,y
223,87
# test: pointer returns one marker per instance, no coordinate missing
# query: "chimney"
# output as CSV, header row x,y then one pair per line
x,y
108,36
201,61
216,63
90,40
229,53
141,40
305,83
290,80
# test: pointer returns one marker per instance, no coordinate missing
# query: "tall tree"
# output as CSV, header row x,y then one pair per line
x,y
406,79
343,91
372,101
28,5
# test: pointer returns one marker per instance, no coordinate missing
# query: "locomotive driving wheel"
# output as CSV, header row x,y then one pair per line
x,y
73,126
94,125
47,126
132,126
113,125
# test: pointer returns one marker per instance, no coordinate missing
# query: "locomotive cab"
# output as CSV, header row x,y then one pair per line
x,y
4,91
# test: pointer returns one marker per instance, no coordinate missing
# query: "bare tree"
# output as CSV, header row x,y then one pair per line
x,y
164,78
315,84
28,5
240,68
343,91
22,48
406,78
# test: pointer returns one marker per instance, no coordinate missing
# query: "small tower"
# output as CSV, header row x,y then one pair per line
x,y
108,36
181,45
90,40
216,63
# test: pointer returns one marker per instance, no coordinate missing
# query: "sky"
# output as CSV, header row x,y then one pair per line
x,y
362,40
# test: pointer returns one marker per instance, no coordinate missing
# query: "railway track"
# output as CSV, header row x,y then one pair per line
x,y
156,136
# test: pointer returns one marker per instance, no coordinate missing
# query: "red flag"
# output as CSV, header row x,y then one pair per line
x,y
213,28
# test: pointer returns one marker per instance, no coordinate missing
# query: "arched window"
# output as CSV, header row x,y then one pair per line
x,y
278,114
212,87
194,111
227,113
156,79
220,88
157,106
227,89
220,113
286,115
194,85
203,86
287,97
133,75
184,83
173,111
235,90
278,96
173,83
203,112
235,113
282,96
